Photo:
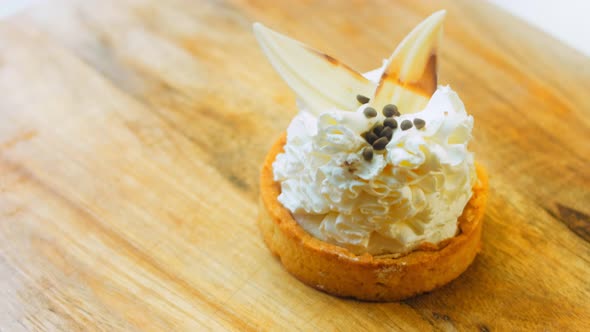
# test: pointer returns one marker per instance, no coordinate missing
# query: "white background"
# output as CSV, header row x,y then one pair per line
x,y
566,20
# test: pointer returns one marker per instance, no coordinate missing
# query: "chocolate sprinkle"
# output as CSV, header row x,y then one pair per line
x,y
377,129
368,153
387,132
362,99
390,122
380,143
370,112
419,123
390,110
406,124
371,137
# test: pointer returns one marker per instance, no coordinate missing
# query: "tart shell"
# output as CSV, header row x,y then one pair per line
x,y
338,271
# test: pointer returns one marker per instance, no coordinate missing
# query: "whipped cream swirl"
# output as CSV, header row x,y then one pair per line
x,y
410,193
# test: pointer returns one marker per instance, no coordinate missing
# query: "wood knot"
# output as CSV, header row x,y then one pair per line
x,y
577,221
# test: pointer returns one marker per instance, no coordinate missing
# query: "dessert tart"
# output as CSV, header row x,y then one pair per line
x,y
372,192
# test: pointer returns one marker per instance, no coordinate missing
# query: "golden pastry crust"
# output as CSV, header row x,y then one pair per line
x,y
338,271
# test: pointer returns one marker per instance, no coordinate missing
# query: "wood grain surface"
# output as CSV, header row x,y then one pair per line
x,y
132,133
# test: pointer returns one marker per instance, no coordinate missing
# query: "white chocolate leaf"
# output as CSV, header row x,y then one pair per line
x,y
411,74
321,81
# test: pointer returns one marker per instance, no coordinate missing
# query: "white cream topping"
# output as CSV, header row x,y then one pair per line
x,y
410,193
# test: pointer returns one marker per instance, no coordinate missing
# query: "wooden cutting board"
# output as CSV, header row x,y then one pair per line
x,y
132,133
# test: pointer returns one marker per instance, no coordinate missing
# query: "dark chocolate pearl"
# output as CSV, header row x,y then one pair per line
x,y
390,110
390,122
380,143
362,99
406,124
370,112
377,129
387,132
419,123
368,153
371,137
